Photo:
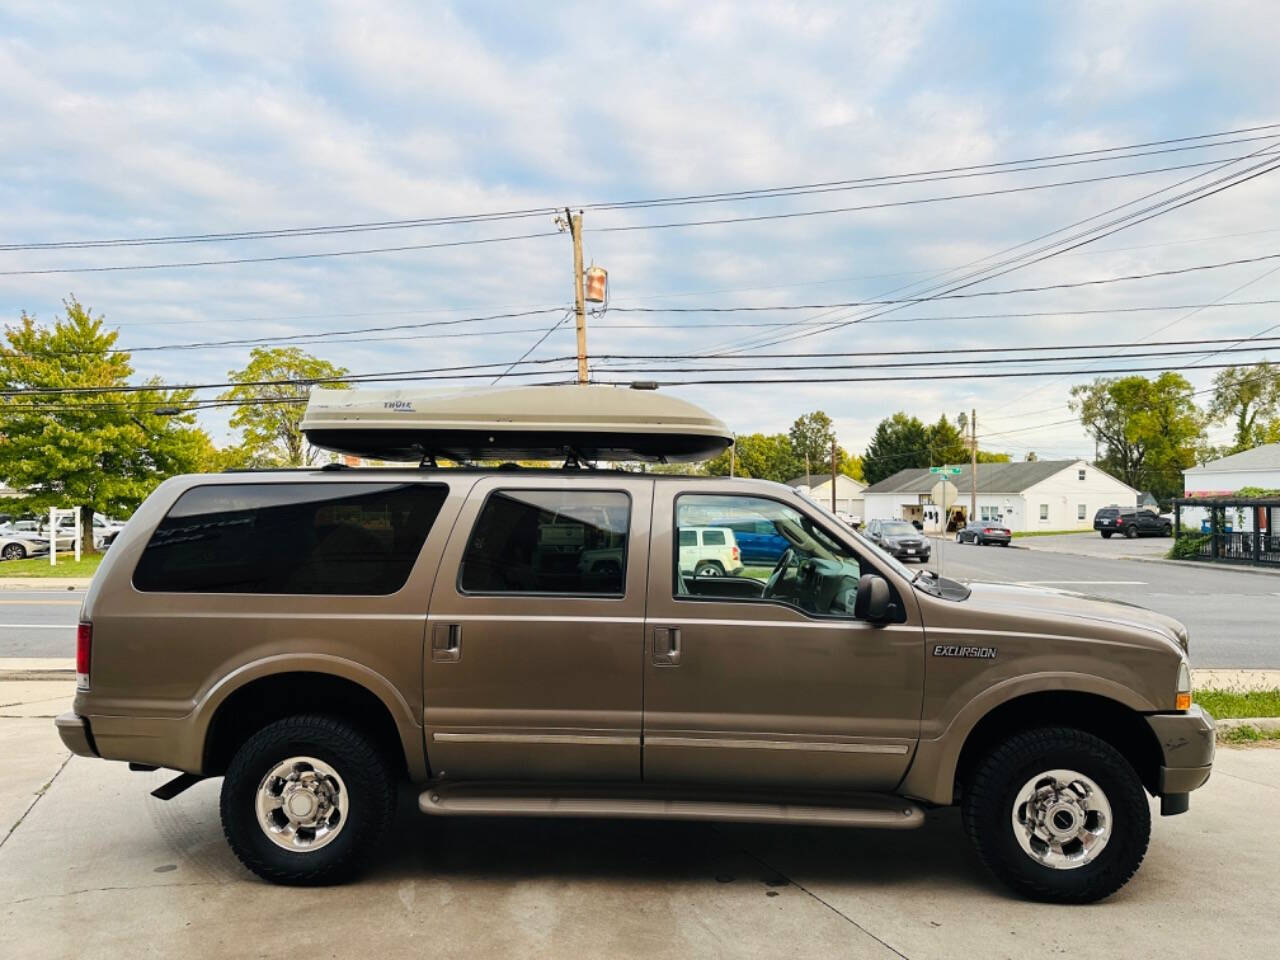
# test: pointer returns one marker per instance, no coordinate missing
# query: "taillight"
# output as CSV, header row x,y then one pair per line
x,y
1119,521
991,530
84,648
736,555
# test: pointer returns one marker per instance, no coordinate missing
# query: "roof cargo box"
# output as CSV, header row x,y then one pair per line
x,y
516,423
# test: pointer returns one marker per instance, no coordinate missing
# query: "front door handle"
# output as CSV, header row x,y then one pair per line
x,y
666,646
446,642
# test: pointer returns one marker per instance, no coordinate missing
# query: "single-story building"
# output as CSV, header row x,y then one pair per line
x,y
817,487
1259,467
1024,496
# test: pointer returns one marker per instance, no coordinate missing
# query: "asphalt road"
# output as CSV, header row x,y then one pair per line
x,y
1230,613
39,623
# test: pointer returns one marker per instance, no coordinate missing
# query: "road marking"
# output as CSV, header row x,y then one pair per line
x,y
1082,583
37,626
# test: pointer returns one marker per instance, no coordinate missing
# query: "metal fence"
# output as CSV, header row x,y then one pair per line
x,y
1219,541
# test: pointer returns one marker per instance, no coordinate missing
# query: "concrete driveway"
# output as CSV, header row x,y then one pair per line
x,y
95,868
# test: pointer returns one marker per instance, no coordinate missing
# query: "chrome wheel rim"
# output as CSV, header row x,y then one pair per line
x,y
1062,819
302,804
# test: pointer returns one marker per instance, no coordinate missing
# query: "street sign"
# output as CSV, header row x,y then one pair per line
x,y
951,470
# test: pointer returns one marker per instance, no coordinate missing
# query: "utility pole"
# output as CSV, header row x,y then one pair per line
x,y
733,456
973,464
833,473
579,303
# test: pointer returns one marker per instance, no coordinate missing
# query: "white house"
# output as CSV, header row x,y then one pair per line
x,y
818,487
1035,495
1259,467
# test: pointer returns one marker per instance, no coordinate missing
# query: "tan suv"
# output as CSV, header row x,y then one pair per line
x,y
315,637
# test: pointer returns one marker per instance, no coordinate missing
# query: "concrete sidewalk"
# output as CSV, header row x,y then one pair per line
x,y
44,583
94,867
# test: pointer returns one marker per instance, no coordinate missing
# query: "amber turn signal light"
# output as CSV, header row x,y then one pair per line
x,y
1183,701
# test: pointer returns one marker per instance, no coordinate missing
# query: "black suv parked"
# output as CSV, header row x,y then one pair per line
x,y
1131,522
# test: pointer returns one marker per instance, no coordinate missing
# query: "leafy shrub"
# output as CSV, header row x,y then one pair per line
x,y
1187,547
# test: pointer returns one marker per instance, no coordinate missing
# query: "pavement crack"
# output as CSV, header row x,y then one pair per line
x,y
23,703
34,800
811,894
110,889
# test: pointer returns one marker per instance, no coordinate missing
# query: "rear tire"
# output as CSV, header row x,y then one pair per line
x,y
1106,534
708,568
349,775
1051,766
14,551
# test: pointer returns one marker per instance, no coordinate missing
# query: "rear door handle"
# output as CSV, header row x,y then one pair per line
x,y
446,642
666,646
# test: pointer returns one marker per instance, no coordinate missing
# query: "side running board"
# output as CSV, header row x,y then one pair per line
x,y
571,800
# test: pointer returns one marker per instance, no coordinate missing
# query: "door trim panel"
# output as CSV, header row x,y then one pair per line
x,y
818,746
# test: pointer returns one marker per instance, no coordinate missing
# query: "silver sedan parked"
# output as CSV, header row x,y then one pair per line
x,y
17,545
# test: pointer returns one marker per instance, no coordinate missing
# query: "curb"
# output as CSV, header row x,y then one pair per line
x,y
1207,565
1265,724
44,583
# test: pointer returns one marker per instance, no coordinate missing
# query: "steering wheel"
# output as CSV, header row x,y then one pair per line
x,y
779,569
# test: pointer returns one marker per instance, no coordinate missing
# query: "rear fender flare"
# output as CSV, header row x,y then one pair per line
x,y
407,725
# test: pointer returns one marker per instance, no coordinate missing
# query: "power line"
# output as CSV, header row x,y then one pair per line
x,y
976,375
951,296
277,258
633,227
1047,251
1098,155
827,211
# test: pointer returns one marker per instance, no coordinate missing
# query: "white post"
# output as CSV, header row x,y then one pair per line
x,y
76,516
53,536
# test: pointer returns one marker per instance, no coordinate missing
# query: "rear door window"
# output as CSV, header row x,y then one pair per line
x,y
290,538
713,538
566,542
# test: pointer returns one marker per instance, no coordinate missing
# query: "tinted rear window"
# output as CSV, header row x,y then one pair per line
x,y
713,538
571,542
1107,512
290,538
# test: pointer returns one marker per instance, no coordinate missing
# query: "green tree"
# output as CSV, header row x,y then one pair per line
x,y
946,444
759,455
899,441
272,392
1249,396
1151,429
811,438
988,456
99,451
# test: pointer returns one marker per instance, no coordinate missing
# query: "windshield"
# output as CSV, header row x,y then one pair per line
x,y
897,528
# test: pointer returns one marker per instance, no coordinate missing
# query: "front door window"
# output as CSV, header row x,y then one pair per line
x,y
800,565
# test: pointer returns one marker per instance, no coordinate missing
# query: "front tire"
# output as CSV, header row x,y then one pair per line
x,y
14,551
1131,532
307,800
1058,815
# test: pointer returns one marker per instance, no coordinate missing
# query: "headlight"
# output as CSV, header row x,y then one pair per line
x,y
1183,699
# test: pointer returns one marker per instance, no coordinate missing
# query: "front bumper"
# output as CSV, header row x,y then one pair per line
x,y
909,553
1187,743
75,734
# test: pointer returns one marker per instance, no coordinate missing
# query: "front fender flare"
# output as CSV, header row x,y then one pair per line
x,y
932,773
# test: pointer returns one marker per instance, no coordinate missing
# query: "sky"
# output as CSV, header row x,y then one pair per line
x,y
142,120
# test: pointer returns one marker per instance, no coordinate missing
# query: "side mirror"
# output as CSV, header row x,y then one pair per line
x,y
873,602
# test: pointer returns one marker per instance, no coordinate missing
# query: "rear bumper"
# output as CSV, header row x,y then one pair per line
x,y
1187,743
75,734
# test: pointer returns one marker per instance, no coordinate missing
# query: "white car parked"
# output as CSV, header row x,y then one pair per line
x,y
709,552
18,545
